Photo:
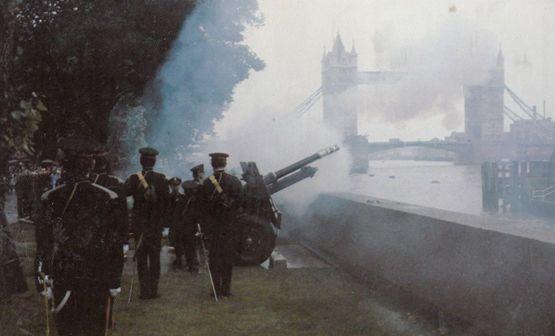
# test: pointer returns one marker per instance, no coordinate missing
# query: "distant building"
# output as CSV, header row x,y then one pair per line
x,y
484,137
484,106
340,77
339,74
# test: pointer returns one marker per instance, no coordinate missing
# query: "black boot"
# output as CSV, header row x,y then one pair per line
x,y
178,265
154,290
145,293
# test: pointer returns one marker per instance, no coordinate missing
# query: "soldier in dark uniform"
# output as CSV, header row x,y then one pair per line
x,y
172,213
222,196
150,193
101,175
79,245
189,215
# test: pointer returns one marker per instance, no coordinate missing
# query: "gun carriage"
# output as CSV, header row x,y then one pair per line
x,y
261,220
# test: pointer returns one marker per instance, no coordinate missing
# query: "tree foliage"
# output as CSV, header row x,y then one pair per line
x,y
67,63
83,56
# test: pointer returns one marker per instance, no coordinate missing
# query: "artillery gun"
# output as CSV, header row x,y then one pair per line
x,y
261,220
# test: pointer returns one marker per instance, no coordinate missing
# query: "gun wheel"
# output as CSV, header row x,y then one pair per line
x,y
257,240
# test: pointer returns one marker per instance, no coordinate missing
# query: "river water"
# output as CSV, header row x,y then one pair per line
x,y
441,185
433,184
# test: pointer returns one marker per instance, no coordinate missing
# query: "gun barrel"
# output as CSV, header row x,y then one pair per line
x,y
306,161
289,180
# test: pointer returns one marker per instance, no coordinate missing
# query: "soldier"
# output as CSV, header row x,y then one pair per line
x,y
101,175
222,197
189,216
79,239
174,200
150,193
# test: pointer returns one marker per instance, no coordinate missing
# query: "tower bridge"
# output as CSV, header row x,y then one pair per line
x,y
484,138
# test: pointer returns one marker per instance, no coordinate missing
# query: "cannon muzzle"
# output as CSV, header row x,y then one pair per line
x,y
273,177
306,161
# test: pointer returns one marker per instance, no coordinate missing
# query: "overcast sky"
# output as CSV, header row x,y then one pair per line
x,y
295,31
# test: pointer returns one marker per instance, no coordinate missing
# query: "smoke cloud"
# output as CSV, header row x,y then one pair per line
x,y
400,35
435,68
196,83
275,140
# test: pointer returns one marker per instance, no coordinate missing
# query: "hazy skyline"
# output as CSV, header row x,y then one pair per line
x,y
292,39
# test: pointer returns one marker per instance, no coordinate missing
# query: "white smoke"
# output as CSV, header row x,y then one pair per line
x,y
196,83
274,139
435,68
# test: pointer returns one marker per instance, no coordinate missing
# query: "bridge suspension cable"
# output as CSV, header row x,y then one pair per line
x,y
511,114
284,118
309,102
529,111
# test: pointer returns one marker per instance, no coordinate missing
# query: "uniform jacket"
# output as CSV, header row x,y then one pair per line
x,y
173,205
148,215
116,185
220,209
190,210
83,245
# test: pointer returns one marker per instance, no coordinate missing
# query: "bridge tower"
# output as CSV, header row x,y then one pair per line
x,y
484,106
484,111
339,78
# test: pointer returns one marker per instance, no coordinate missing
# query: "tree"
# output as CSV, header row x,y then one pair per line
x,y
83,56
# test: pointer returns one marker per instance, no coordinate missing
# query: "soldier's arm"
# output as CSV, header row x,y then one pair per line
x,y
120,190
117,236
124,223
195,209
164,194
165,190
169,208
179,212
203,207
130,185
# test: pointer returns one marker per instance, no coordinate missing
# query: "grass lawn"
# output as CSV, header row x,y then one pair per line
x,y
309,301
